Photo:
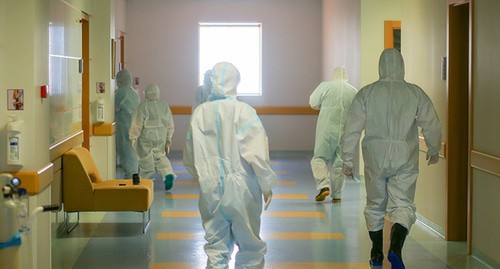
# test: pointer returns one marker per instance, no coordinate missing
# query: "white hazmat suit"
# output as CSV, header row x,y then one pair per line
x,y
227,150
151,134
126,101
333,99
390,111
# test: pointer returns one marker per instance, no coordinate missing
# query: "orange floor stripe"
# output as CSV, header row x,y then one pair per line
x,y
275,196
268,214
280,172
304,236
290,196
295,214
318,265
265,236
274,265
171,265
287,182
175,236
186,183
182,196
180,214
195,183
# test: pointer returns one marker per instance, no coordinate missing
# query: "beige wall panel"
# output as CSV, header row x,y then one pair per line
x,y
430,197
103,151
486,220
373,15
423,45
486,79
485,217
422,50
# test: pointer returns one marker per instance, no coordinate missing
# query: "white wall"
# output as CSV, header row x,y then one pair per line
x,y
102,30
24,46
341,38
24,62
23,65
162,48
342,46
120,17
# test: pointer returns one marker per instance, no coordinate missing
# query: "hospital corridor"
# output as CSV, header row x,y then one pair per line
x,y
300,233
237,134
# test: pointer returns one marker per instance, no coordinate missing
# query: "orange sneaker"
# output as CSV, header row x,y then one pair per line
x,y
323,193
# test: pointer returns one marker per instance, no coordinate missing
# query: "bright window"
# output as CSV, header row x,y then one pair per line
x,y
237,43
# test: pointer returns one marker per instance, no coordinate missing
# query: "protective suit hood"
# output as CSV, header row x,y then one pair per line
x,y
123,78
391,65
152,92
225,79
339,73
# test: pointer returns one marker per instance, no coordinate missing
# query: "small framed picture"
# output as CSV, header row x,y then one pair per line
x,y
15,99
100,87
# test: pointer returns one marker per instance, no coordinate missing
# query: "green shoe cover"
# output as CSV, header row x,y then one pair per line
x,y
169,182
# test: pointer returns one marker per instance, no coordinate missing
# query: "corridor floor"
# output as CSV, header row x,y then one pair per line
x,y
300,233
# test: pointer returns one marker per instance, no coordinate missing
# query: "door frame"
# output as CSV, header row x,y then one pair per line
x,y
86,126
389,27
122,50
459,131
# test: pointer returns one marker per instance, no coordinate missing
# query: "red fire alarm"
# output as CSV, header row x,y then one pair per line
x,y
43,91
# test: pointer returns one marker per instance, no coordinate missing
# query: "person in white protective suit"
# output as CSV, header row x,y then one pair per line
x,y
390,110
126,101
333,99
227,150
151,134
203,91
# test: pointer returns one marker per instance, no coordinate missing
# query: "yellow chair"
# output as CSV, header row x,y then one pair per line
x,y
85,190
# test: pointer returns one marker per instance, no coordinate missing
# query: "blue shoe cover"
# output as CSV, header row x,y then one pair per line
x,y
169,182
396,262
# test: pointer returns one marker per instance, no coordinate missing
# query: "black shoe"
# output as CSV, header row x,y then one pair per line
x,y
377,260
323,193
398,236
377,253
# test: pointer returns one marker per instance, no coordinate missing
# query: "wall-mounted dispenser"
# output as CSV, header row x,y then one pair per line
x,y
100,110
14,141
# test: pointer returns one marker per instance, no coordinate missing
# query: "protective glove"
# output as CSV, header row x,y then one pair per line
x,y
268,196
347,170
133,143
431,159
